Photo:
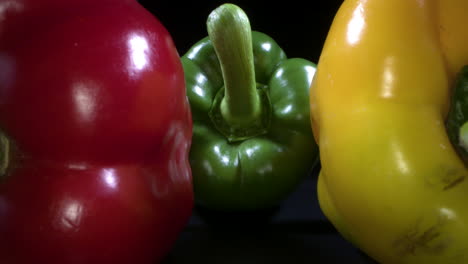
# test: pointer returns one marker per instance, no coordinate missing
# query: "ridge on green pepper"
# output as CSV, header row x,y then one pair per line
x,y
252,140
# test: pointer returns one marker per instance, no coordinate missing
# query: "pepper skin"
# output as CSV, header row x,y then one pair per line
x,y
252,141
98,127
391,182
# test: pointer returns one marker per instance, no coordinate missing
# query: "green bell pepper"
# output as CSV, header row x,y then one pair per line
x,y
252,139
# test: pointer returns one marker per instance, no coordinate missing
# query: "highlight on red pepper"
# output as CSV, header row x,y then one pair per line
x,y
96,129
252,141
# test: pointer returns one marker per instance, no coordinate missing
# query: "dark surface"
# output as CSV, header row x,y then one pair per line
x,y
297,231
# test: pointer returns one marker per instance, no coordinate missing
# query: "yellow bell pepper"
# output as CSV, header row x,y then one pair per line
x,y
391,182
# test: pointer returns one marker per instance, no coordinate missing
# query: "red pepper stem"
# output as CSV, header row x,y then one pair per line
x,y
4,154
229,31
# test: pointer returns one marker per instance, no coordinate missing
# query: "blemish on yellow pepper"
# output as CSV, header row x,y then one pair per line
x,y
391,182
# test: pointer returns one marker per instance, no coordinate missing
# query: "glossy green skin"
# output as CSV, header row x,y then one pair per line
x,y
257,172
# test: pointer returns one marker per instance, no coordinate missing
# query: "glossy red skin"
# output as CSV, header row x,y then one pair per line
x,y
92,95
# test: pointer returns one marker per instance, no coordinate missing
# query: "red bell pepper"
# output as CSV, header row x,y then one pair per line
x,y
96,129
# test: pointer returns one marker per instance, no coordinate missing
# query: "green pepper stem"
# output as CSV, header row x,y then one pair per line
x,y
229,31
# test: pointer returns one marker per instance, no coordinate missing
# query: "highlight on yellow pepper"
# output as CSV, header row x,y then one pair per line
x,y
391,181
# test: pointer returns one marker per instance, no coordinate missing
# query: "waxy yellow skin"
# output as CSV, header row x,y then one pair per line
x,y
391,182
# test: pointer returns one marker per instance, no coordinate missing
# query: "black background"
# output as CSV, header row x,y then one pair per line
x,y
299,29
296,231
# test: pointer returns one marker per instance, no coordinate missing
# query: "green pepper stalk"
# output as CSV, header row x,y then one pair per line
x,y
252,139
231,36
